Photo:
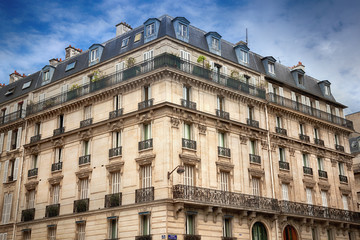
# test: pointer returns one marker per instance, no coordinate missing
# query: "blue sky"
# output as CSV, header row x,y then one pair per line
x,y
322,34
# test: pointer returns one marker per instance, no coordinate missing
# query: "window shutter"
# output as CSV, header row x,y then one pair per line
x,y
41,97
256,186
115,182
328,109
345,202
117,67
308,101
64,88
1,142
18,139
324,198
114,140
188,175
303,99
146,56
84,188
16,169
149,92
182,55
8,207
317,105
185,96
56,191
15,107
309,196
281,92
293,96
225,70
337,112
270,88
6,169
285,192
115,103
212,65
8,145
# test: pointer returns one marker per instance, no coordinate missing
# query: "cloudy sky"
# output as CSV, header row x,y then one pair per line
x,y
323,34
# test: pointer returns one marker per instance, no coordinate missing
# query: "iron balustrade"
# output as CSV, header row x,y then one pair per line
x,y
33,172
12,117
228,238
84,159
52,210
343,178
145,144
304,137
319,142
160,61
35,138
339,148
255,158
145,104
322,174
188,104
144,195
192,237
115,152
59,131
252,122
143,237
86,122
56,166
115,113
280,130
81,205
284,165
288,103
28,215
224,151
222,114
308,170
187,143
113,200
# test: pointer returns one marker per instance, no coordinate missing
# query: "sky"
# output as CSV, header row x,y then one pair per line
x,y
323,34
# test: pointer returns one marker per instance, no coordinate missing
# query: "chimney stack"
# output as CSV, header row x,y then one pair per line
x,y
15,76
241,43
54,61
298,66
122,28
71,51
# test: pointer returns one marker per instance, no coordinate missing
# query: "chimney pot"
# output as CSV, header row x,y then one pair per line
x,y
14,77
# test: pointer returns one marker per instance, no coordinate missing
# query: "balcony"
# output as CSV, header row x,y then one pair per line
x,y
146,144
56,166
143,237
228,238
252,123
33,172
113,200
225,152
343,179
288,103
304,138
116,113
188,104
115,152
339,148
145,104
284,165
319,142
281,131
84,159
192,237
160,61
322,174
81,205
144,195
28,215
187,143
255,158
222,114
59,131
308,170
52,210
86,122
35,138
12,117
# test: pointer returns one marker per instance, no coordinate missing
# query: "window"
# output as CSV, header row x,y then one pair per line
x,y
221,139
330,235
282,155
137,37
52,232
336,139
94,55
146,131
183,30
10,91
117,102
80,231
305,160
256,186
345,202
251,113
26,85
301,129
113,228
58,155
146,176
189,175
125,42
327,90
341,169
220,103
309,196
70,66
55,192
316,133
46,76
87,112
83,188
187,131
37,128
116,139
190,224
34,161
320,163
145,224
26,235
244,56
146,93
224,181
115,182
324,198
11,168
278,122
215,43
186,93
86,147
271,68
300,79
253,147
285,191
314,233
150,29
30,199
61,121
227,232
6,212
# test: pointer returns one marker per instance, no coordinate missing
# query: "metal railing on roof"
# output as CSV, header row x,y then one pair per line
x,y
163,60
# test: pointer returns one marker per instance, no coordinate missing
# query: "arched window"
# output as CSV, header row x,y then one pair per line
x,y
289,233
259,231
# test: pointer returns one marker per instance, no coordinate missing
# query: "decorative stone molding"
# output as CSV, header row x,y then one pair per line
x,y
174,122
285,178
202,129
187,118
224,166
243,139
116,126
292,152
255,172
324,185
345,189
189,159
207,211
31,185
309,182
115,166
273,147
333,162
250,218
55,180
85,135
59,142
216,213
147,117
222,126
145,159
33,150
349,166
83,173
13,153
177,209
264,145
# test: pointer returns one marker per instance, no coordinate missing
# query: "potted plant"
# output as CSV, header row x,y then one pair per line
x,y
197,70
131,70
175,60
53,210
114,200
96,81
73,92
81,206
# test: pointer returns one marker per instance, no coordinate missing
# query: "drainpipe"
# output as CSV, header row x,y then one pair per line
x,y
271,165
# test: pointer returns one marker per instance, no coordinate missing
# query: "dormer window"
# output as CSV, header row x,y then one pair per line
x,y
213,40
271,67
242,52
70,66
181,27
93,55
327,90
215,44
95,52
26,85
125,42
137,37
10,91
46,76
244,56
183,30
150,29
300,79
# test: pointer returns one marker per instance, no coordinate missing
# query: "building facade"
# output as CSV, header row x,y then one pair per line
x,y
170,132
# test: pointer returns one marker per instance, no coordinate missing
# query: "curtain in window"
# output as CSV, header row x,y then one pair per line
x,y
259,232
146,176
221,140
289,233
187,131
190,225
115,182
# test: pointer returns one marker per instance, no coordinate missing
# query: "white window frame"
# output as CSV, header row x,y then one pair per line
x,y
84,188
256,186
271,68
189,175
31,199
285,191
215,43
345,202
52,233
93,55
125,42
145,221
305,158
55,193
227,224
113,228
244,56
190,224
282,155
183,30
324,198
146,131
224,181
146,176
150,29
309,196
81,231
116,139
115,182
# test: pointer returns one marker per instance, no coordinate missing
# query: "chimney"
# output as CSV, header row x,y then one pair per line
x,y
54,61
241,43
71,51
2,85
122,28
298,66
15,76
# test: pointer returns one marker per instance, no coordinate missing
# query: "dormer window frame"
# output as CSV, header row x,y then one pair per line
x,y
46,76
327,90
215,43
271,67
125,42
150,29
93,54
137,37
213,40
26,84
10,91
70,66
183,29
244,56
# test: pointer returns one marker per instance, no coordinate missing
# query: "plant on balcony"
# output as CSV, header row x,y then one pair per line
x,y
53,210
201,59
74,86
176,59
114,200
73,91
131,70
130,62
96,84
81,206
49,103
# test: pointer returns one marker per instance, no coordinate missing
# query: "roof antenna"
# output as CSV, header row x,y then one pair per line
x,y
247,42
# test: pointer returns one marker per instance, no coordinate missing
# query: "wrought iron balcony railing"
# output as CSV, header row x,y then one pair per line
x,y
160,61
228,238
224,152
192,237
81,205
35,138
304,138
222,114
308,170
28,215
84,159
187,143
52,210
144,195
59,131
322,174
288,103
33,172
252,123
116,113
319,142
145,144
113,200
188,104
12,117
56,166
255,158
343,178
281,131
115,152
86,122
145,104
143,237
284,165
339,148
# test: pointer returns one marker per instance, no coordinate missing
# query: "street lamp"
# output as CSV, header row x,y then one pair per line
x,y
180,169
